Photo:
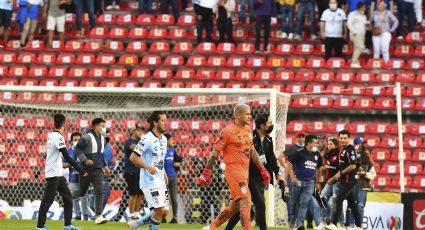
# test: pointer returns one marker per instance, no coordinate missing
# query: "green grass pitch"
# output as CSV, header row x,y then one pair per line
x,y
8,224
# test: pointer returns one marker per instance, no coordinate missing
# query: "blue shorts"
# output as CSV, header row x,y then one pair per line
x,y
5,18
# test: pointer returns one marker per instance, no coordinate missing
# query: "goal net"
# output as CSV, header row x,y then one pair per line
x,y
195,116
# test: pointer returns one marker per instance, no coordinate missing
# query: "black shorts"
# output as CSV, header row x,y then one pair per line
x,y
6,18
132,180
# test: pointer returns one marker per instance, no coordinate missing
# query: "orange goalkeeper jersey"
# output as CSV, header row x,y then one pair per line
x,y
236,145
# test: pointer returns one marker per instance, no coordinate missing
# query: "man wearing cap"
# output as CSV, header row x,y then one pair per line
x,y
90,152
289,152
132,173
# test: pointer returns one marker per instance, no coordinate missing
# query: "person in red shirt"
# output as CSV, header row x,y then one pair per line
x,y
235,143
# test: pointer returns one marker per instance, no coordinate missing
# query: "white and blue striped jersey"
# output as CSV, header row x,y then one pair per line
x,y
152,150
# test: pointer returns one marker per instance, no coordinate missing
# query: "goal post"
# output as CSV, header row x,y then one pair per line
x,y
195,116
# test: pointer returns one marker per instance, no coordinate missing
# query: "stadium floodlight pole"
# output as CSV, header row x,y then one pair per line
x,y
401,155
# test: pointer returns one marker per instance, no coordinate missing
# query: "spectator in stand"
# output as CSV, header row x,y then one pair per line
x,y
357,23
374,6
79,6
132,173
302,6
224,10
165,7
73,183
172,165
6,19
383,24
242,11
204,19
364,176
145,6
56,19
113,4
418,11
264,10
406,8
98,7
27,17
287,9
333,29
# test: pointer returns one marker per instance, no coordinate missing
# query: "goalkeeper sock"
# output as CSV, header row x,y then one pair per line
x,y
154,225
144,219
226,214
245,214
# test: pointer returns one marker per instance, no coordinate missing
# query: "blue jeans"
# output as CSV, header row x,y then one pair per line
x,y
406,9
242,13
143,4
314,210
302,194
289,204
330,191
287,14
84,208
361,202
106,191
309,6
165,5
89,5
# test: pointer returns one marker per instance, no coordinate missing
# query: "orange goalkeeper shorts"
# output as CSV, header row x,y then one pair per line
x,y
238,188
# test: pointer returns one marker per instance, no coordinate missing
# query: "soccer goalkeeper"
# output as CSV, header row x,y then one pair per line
x,y
235,143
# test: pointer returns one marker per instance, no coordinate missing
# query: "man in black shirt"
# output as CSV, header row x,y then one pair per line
x,y
346,175
305,173
263,144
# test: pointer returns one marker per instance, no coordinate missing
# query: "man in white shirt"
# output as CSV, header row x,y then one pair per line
x,y
55,181
357,23
333,29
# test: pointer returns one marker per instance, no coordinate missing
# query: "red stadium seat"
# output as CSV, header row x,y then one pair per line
x,y
214,85
235,85
364,103
203,99
244,75
418,156
193,151
67,98
174,60
137,33
295,88
335,88
152,84
385,103
385,77
204,138
344,76
183,47
412,142
381,181
56,46
379,128
372,141
390,168
408,104
93,46
336,126
129,123
176,124
216,61
325,76
162,73
316,62
284,75
28,82
224,74
403,50
129,84
18,71
183,137
48,98
264,75
19,121
375,90
66,59
389,142
46,58
240,34
315,88
396,63
186,20
177,34
355,89
285,49
105,59
206,47
405,128
343,103
256,62
126,19
296,126
180,100
375,63
118,33
204,74
145,19
109,83
359,127
304,76
140,73
365,76
419,182
275,62
195,124
415,37
185,73
416,64
106,19
26,58
405,77
34,45
136,47
304,49
9,81
245,48
174,84
418,129
89,83
85,59
302,102
295,62
58,71
159,47
236,61
68,83
77,72
255,85
117,72
164,20
99,32
395,182
98,72
395,154
420,50
380,154
335,63
420,104
13,45
118,137
317,127
74,46
128,59
7,57
195,60
226,48
37,71
151,60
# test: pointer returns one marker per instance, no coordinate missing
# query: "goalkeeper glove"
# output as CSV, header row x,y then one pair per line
x,y
205,178
285,197
264,174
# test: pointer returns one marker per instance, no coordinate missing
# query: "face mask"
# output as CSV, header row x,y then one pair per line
x,y
333,6
270,130
74,143
314,149
103,131
359,156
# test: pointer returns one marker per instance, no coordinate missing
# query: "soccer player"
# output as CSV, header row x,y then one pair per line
x,y
235,143
347,175
149,155
55,181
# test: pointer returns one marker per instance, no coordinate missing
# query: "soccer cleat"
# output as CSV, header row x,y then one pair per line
x,y
321,226
71,227
331,227
132,225
300,227
100,220
206,228
173,221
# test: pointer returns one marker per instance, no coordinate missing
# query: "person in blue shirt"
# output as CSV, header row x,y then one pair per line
x,y
74,184
172,164
132,173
